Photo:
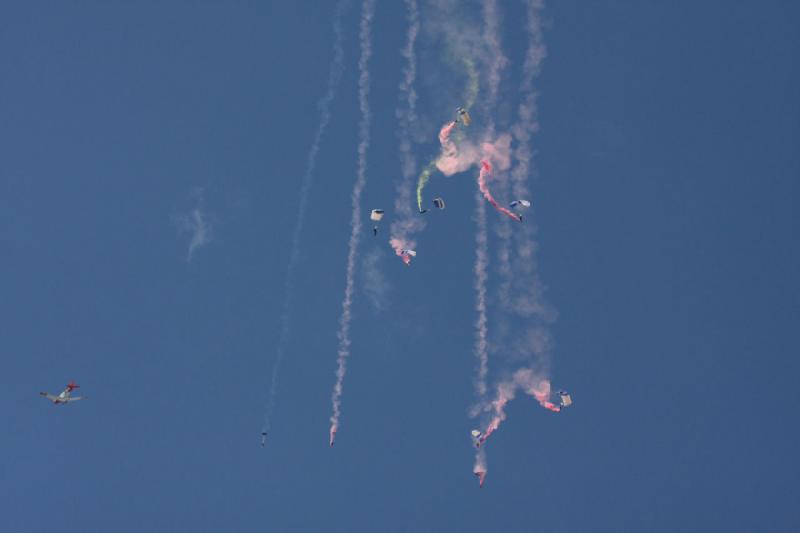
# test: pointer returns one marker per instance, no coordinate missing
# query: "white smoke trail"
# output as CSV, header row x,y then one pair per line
x,y
407,222
365,30
527,299
528,123
481,276
324,104
497,61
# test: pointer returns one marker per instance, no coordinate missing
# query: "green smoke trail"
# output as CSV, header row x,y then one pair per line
x,y
470,95
423,180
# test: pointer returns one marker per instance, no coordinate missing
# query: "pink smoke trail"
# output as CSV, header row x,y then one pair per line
x,y
444,134
367,13
480,467
454,158
486,170
407,223
400,246
530,383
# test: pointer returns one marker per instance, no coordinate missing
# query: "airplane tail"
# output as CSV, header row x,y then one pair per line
x,y
72,385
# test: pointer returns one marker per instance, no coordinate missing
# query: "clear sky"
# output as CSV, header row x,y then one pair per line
x,y
665,190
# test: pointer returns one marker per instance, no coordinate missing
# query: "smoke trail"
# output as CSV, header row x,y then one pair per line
x,y
496,62
365,29
486,169
452,158
481,324
423,181
529,381
334,76
480,466
471,92
499,152
527,302
528,123
425,175
406,224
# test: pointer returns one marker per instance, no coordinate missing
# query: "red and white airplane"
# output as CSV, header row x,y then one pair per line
x,y
64,396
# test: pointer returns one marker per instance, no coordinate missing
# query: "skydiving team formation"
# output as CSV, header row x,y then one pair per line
x,y
502,157
498,159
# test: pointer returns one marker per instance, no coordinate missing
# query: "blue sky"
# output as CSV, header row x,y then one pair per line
x,y
666,178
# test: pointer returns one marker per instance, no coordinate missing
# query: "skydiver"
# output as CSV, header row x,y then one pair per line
x,y
375,231
421,211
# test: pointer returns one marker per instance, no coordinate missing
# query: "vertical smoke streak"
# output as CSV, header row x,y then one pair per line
x,y
324,104
526,301
481,275
527,123
497,62
407,223
365,29
503,227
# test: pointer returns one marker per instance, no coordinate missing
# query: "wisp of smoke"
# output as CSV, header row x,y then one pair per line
x,y
200,229
334,76
375,285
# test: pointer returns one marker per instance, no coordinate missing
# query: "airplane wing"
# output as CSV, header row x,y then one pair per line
x,y
74,398
49,396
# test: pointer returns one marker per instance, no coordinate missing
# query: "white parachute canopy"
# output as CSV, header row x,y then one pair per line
x,y
376,214
521,203
412,253
475,433
566,399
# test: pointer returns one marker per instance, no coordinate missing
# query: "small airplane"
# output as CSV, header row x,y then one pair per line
x,y
64,396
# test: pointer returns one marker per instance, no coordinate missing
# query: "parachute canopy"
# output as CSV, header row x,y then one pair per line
x,y
464,116
438,203
412,253
520,203
566,399
475,433
376,214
